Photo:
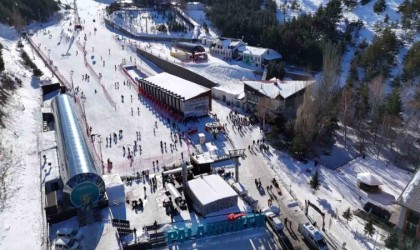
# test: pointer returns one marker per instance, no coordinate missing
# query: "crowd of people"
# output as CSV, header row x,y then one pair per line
x,y
238,120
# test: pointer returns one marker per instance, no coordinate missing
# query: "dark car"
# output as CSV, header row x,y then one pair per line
x,y
377,211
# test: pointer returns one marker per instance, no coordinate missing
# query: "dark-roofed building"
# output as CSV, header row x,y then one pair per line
x,y
409,200
189,47
285,96
194,51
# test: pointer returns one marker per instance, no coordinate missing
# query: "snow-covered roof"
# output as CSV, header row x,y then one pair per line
x,y
410,197
234,89
225,43
256,51
273,89
112,180
369,179
272,55
177,85
235,43
211,188
241,96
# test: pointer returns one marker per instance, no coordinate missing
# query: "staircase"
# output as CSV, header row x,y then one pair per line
x,y
89,216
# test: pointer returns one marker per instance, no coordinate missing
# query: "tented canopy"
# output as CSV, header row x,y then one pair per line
x,y
369,179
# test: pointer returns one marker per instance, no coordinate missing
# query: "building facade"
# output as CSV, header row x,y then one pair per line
x,y
236,49
278,96
226,47
409,222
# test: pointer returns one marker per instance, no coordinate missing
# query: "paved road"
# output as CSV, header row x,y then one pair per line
x,y
254,166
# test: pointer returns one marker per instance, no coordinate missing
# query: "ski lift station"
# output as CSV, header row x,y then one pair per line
x,y
179,95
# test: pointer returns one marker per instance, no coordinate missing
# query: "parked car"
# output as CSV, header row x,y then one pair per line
x,y
69,233
274,221
65,244
313,236
377,211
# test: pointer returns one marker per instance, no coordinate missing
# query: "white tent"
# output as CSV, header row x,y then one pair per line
x,y
369,179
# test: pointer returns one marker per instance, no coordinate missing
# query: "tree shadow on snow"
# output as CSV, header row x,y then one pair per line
x,y
326,206
382,198
35,82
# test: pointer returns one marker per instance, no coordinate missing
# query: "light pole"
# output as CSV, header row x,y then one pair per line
x,y
72,84
100,151
83,99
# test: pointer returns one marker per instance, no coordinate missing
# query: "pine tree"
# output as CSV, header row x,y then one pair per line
x,y
392,241
314,182
393,104
350,3
379,6
369,229
348,215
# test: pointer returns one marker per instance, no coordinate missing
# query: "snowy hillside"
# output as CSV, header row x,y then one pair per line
x,y
21,212
372,25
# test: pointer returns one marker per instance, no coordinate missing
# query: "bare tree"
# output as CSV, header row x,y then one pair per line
x,y
376,101
305,116
315,117
347,109
265,109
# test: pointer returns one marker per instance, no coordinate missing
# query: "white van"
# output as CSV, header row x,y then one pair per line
x,y
313,236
